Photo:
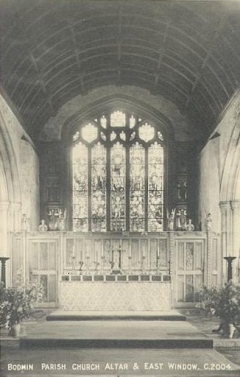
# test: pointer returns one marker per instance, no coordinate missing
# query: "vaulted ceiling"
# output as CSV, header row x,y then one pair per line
x,y
186,51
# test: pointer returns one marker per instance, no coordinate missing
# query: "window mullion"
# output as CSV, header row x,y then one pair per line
x,y
127,197
89,189
146,189
109,189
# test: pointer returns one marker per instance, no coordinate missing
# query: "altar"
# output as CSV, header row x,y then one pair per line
x,y
122,271
115,293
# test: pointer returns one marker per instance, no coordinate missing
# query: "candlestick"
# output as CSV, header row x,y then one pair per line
x,y
229,265
3,269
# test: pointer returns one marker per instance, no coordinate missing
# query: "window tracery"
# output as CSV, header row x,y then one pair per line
x,y
118,175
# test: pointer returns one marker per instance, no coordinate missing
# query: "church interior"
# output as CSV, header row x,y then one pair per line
x,y
119,150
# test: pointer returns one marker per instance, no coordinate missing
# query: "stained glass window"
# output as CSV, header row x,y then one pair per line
x,y
80,187
89,133
132,121
155,187
118,119
118,174
146,132
118,187
98,193
137,188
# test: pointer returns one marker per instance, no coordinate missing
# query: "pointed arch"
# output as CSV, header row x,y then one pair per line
x,y
125,102
9,169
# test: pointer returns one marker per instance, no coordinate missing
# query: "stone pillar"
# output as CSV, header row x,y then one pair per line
x,y
208,273
172,267
235,205
226,243
4,207
4,236
226,220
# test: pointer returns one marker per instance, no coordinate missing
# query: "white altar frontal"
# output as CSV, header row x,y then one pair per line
x,y
115,293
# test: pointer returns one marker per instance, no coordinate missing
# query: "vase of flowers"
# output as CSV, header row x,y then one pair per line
x,y
223,303
17,303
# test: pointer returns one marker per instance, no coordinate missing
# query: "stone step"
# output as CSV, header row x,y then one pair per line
x,y
64,315
115,334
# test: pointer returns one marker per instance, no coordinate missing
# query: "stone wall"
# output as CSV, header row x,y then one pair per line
x,y
219,186
183,130
29,183
219,165
20,171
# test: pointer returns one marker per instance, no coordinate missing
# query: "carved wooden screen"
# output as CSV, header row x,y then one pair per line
x,y
95,254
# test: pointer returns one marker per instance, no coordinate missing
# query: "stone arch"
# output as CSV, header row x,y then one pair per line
x,y
10,177
119,100
231,166
230,194
126,103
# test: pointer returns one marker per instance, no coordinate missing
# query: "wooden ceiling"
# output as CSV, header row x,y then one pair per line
x,y
186,51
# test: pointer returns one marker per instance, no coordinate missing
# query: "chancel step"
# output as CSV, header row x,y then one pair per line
x,y
115,334
65,315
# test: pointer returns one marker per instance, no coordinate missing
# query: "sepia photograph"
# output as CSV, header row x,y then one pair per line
x,y
120,188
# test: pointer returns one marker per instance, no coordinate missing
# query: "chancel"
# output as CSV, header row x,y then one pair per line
x,y
116,193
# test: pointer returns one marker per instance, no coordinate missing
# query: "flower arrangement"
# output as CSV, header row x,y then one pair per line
x,y
223,303
17,303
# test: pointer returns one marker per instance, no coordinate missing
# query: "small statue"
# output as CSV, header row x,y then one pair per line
x,y
190,227
61,220
43,227
171,221
178,223
183,219
208,222
182,191
25,223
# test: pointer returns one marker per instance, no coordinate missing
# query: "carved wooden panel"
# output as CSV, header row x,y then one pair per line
x,y
189,269
42,262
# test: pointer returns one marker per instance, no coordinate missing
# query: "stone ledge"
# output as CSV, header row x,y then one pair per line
x,y
226,343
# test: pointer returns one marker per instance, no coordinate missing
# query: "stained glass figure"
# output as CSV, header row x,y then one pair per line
x,y
89,133
118,187
80,187
98,174
118,119
155,188
137,188
146,132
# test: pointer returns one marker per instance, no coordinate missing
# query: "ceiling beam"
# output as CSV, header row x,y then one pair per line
x,y
119,46
76,53
40,81
163,47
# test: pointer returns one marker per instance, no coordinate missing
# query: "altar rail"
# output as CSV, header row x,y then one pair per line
x,y
189,259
